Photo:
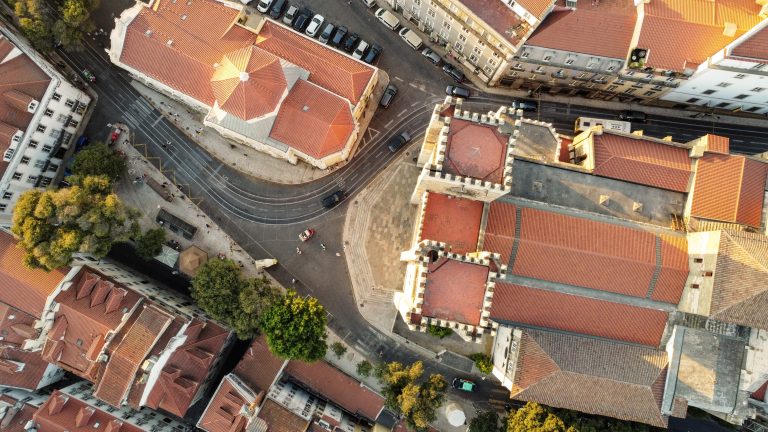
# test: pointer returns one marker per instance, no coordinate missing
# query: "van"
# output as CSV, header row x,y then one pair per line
x,y
278,6
411,38
388,18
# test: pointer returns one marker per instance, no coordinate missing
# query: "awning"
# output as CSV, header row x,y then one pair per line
x,y
168,256
191,259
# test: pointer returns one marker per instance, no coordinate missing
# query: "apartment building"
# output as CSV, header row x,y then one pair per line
x,y
40,116
479,34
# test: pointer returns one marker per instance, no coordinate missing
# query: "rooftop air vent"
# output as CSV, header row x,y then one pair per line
x,y
605,200
305,108
729,29
183,17
170,42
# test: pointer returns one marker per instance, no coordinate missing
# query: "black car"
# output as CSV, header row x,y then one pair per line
x,y
457,91
302,19
350,42
396,142
277,9
453,72
373,54
525,106
388,96
633,116
341,32
333,199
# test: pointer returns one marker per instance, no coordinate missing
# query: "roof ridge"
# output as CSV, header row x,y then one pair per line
x,y
741,185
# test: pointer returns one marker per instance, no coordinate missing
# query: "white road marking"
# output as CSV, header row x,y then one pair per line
x,y
402,112
415,103
399,79
389,123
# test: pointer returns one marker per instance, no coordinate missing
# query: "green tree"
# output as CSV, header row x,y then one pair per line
x,y
534,417
295,328
74,23
52,225
98,159
364,368
483,362
34,23
150,243
408,395
256,296
487,421
338,349
216,288
438,331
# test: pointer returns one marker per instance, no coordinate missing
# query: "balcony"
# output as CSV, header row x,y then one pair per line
x,y
569,66
559,75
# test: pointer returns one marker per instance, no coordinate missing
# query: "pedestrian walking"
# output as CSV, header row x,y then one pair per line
x,y
298,251
322,246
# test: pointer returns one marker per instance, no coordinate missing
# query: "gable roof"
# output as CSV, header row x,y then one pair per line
x,y
642,161
18,413
226,411
756,47
592,376
729,188
62,413
259,367
21,369
280,419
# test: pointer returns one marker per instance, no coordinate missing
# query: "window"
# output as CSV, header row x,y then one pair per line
x,y
446,25
458,46
540,69
693,100
707,273
431,12
415,10
708,92
649,76
488,70
695,286
724,84
40,128
611,68
492,62
757,89
752,109
698,260
758,66
48,112
47,148
2,207
473,58
39,163
53,167
33,144
740,76
649,93
722,104
612,87
73,123
56,97
417,2
574,83
24,160
69,103
16,176
741,96
46,181
32,179
462,37
630,73
525,54
630,90
478,49
547,58
582,75
7,195
569,61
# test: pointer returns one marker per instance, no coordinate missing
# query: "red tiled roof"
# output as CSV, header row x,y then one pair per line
x,y
16,326
683,32
281,419
188,367
475,150
224,412
500,229
454,221
325,121
729,188
62,413
20,287
21,369
756,47
642,161
674,269
327,68
15,419
718,144
547,309
258,368
759,394
249,82
503,20
601,28
337,387
131,351
455,291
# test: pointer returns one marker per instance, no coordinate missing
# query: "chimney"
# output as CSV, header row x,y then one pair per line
x,y
116,295
729,29
83,415
56,403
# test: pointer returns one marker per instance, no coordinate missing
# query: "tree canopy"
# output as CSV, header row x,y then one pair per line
x,y
216,288
407,394
74,22
88,217
256,296
295,327
538,418
150,243
34,23
98,159
486,421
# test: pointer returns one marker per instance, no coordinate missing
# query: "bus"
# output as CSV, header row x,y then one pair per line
x,y
584,123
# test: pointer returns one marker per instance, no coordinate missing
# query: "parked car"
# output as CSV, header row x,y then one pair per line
x,y
369,3
263,6
397,142
350,42
361,49
314,26
290,16
302,19
457,91
387,18
338,37
388,96
277,9
431,56
464,385
525,106
453,72
333,199
373,53
633,116
327,32
411,38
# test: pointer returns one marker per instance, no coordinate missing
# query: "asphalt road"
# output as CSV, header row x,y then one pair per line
x,y
265,217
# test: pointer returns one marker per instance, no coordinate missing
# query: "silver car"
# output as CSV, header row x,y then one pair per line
x,y
315,25
362,47
290,15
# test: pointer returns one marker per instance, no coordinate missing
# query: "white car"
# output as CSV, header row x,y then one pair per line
x,y
362,47
263,6
314,25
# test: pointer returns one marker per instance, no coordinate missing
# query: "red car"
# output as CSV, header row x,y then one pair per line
x,y
306,234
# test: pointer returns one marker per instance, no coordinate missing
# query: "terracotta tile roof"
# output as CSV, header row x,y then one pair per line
x,y
739,293
281,419
311,108
327,68
62,413
756,47
530,307
718,144
685,32
451,220
592,254
17,415
21,369
503,20
455,291
20,287
16,326
601,28
642,161
759,394
259,368
592,376
131,351
188,367
729,188
224,412
249,82
323,379
475,150
500,229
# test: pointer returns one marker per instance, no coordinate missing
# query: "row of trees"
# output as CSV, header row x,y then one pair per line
x,y
62,21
